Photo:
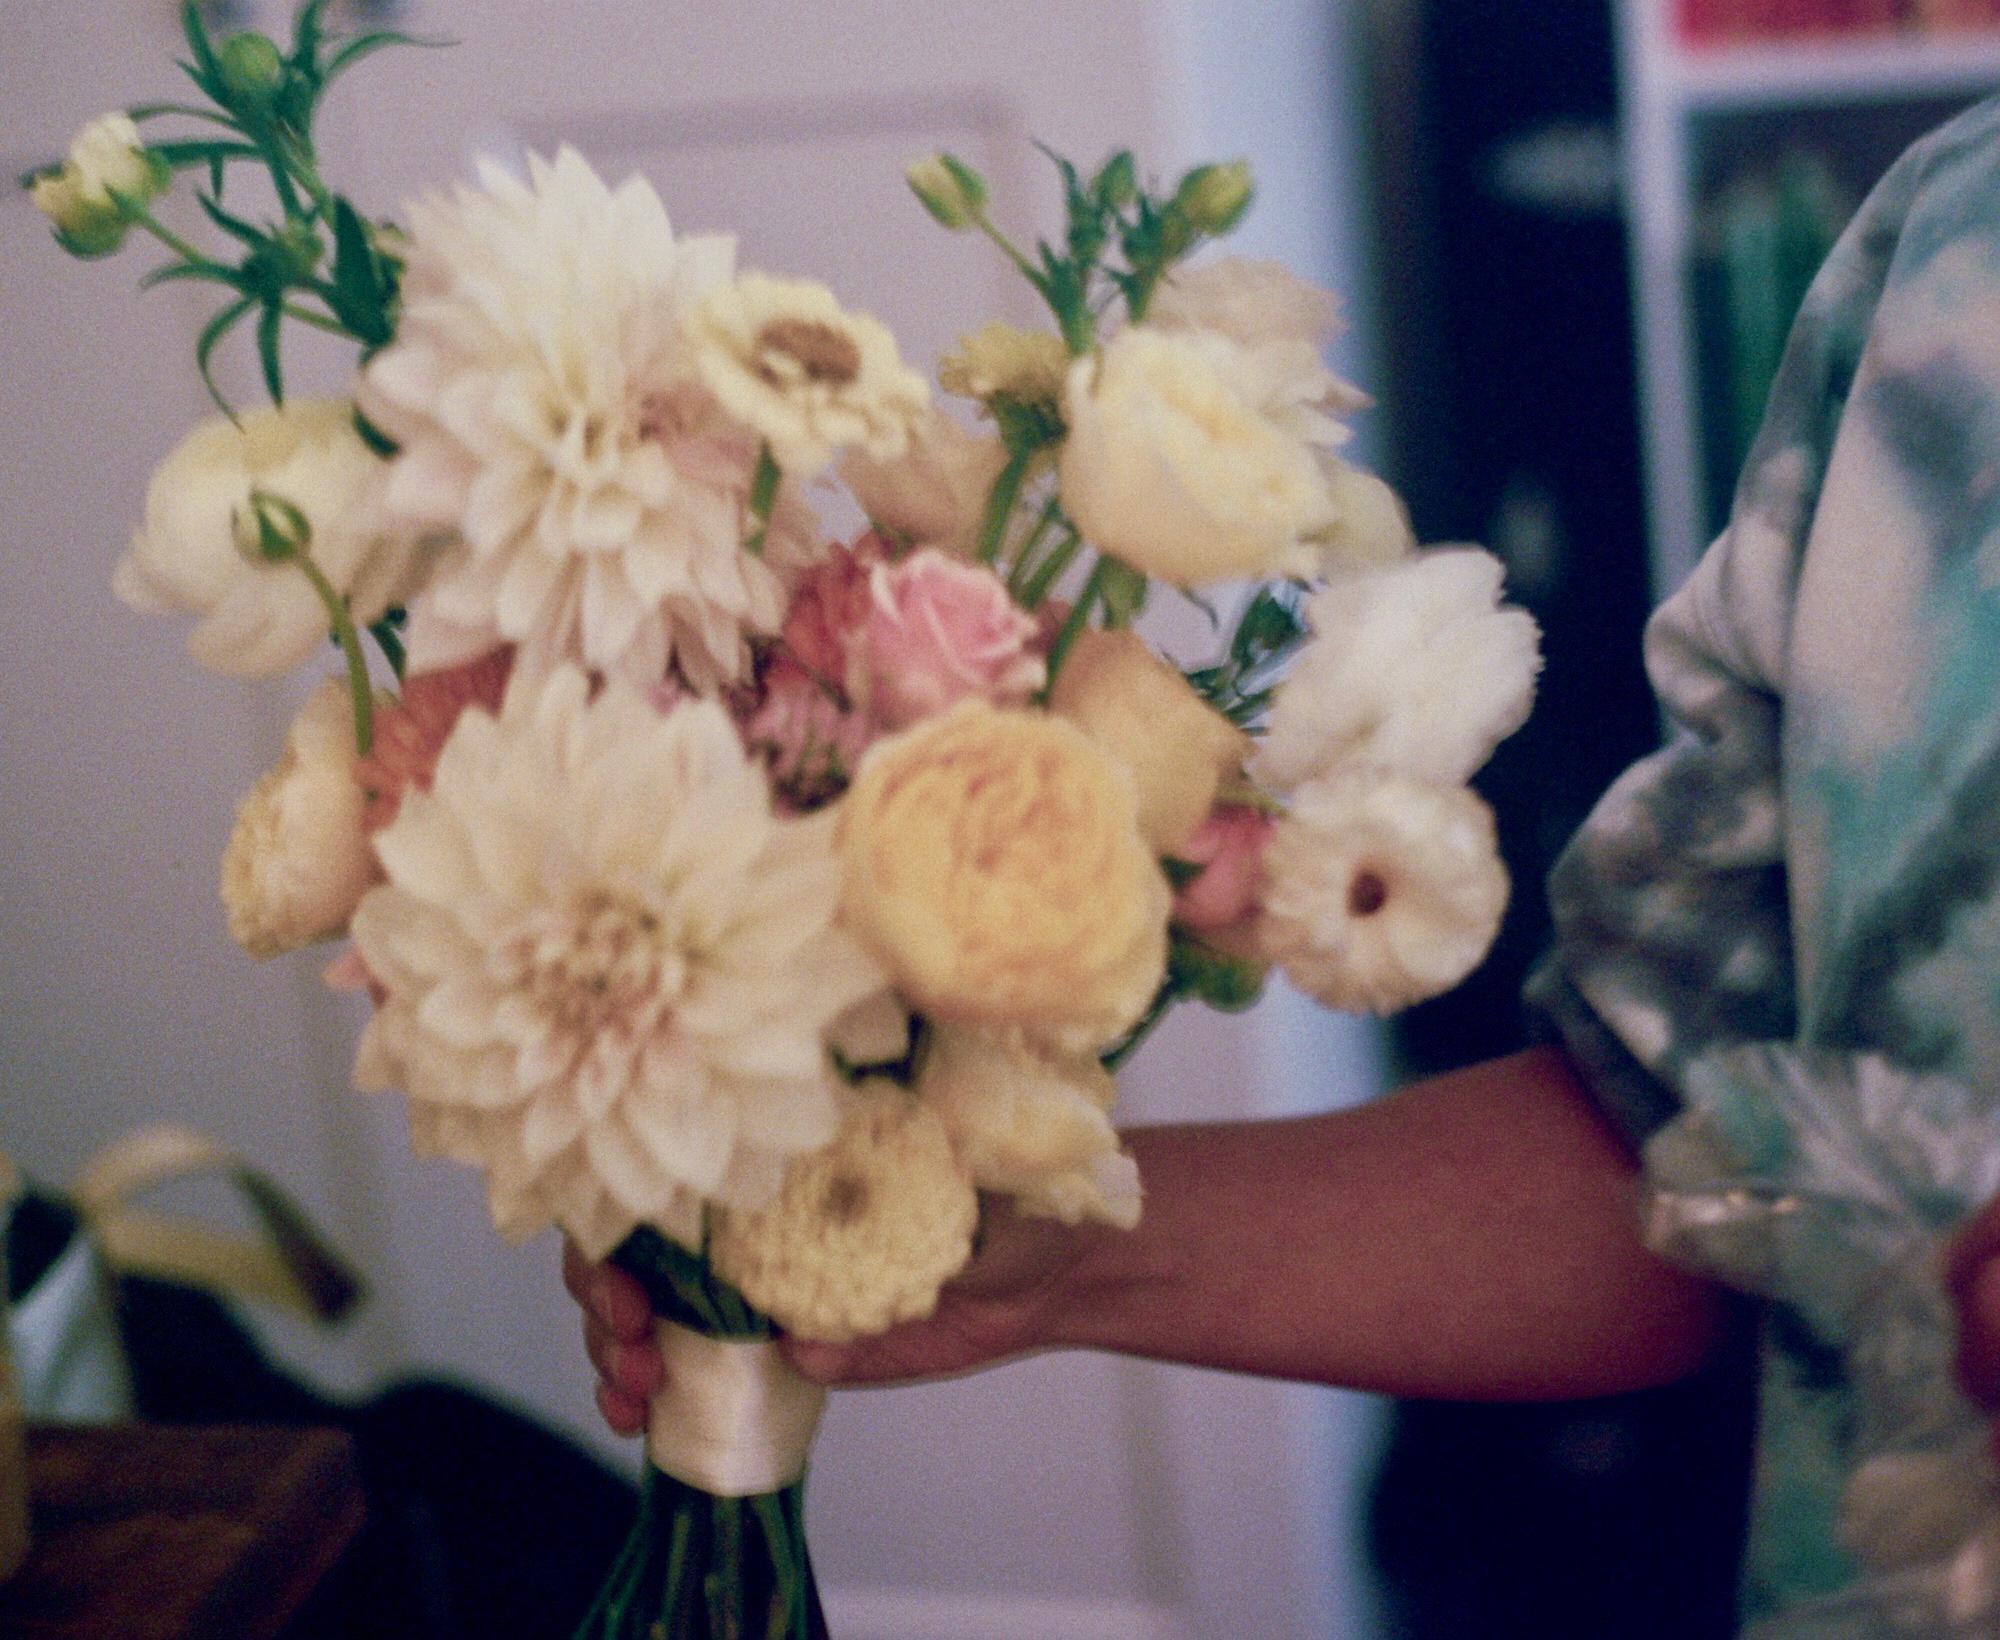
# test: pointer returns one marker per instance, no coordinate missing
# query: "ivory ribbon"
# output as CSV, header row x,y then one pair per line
x,y
288,1264
734,1420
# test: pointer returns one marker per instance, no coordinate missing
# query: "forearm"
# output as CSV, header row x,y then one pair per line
x,y
1473,1237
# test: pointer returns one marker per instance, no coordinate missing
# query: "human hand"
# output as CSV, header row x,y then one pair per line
x,y
1007,1302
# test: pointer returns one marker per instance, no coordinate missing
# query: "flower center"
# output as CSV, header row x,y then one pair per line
x,y
845,1201
817,351
604,965
1367,893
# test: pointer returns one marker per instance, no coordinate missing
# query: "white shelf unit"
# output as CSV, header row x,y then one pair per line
x,y
1671,93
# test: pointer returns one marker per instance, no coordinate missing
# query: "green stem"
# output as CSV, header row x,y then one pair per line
x,y
350,646
763,497
1042,582
319,321
1136,1038
1000,501
173,241
1079,618
1012,251
1024,559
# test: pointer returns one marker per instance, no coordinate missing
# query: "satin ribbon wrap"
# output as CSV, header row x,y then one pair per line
x,y
734,1420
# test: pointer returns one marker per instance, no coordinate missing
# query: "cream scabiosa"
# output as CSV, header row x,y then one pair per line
x,y
608,969
549,421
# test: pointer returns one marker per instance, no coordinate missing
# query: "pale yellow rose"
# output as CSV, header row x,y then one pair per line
x,y
935,492
1032,1125
994,863
1183,460
1178,748
298,860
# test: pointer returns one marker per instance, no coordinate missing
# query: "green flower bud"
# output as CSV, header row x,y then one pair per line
x,y
1212,198
950,190
253,70
83,228
105,184
271,530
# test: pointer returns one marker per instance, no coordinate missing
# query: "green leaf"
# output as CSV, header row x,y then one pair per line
x,y
192,111
390,641
206,272
213,332
360,293
209,77
307,34
256,238
367,45
1228,983
372,436
1181,872
1123,591
270,328
181,155
1117,184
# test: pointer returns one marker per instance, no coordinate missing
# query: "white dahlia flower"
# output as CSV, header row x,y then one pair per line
x,y
1032,1125
1415,667
1381,891
609,970
864,1233
540,390
803,373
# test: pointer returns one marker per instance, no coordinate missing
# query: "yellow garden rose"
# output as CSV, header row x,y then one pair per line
x,y
993,861
1178,748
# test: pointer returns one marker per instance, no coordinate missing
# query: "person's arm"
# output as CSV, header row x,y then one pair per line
x,y
1473,1237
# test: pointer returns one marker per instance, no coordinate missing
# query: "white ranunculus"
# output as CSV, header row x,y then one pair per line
x,y
935,492
1187,459
298,860
1416,667
259,618
1380,891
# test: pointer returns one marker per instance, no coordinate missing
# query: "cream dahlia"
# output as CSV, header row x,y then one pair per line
x,y
608,971
1415,667
541,392
1381,891
805,375
864,1233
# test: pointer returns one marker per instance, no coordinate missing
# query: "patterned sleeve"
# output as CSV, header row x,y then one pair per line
x,y
1671,905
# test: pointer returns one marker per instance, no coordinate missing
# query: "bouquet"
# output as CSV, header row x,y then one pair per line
x,y
742,901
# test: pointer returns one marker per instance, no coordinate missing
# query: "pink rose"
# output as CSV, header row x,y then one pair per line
x,y
939,631
811,741
822,628
1229,847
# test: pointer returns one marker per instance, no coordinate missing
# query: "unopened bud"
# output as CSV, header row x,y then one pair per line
x,y
950,190
253,69
106,183
270,530
1212,198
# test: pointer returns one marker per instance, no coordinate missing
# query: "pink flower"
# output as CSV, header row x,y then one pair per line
x,y
1229,847
829,606
410,734
810,740
939,631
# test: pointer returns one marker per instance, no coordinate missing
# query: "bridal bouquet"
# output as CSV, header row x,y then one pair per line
x,y
743,901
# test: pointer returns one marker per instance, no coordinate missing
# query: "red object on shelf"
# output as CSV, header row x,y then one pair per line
x,y
1738,22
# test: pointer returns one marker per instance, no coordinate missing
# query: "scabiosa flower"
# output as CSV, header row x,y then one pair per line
x,y
1381,891
864,1233
608,970
1416,667
1002,361
808,377
549,420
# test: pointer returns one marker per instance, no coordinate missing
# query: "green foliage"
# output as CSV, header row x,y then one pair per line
x,y
1239,686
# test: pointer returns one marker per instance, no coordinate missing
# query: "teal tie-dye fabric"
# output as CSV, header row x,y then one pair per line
x,y
1778,939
